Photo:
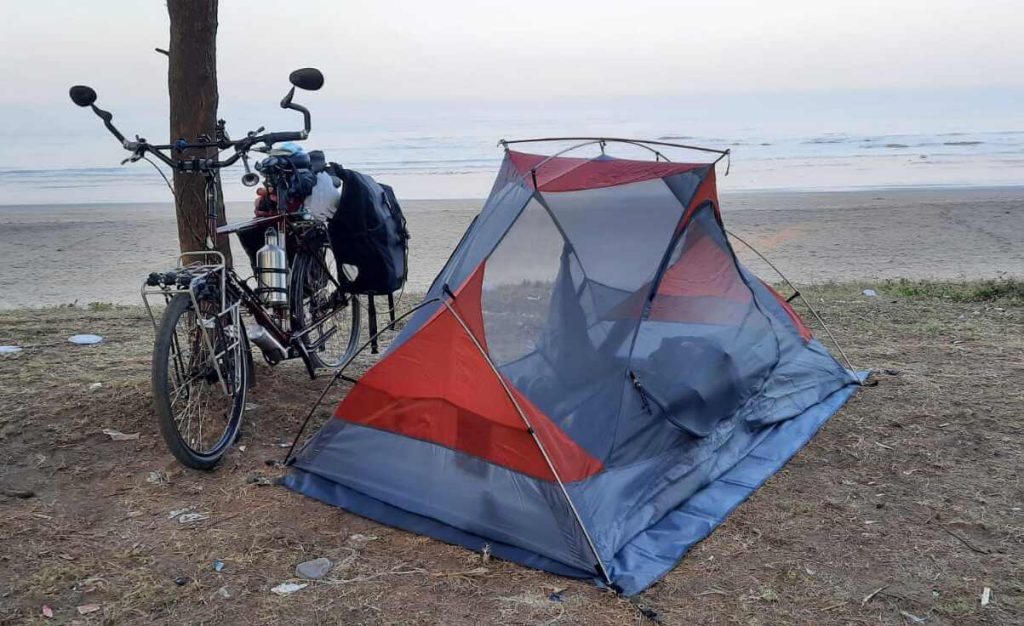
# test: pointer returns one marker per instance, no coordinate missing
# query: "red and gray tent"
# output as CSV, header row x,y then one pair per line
x,y
594,384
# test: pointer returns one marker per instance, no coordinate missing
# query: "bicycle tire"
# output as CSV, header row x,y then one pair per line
x,y
198,377
313,296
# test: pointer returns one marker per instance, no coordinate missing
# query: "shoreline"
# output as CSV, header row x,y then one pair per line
x,y
724,193
94,252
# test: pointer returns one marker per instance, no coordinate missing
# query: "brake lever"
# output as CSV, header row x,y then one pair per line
x,y
136,148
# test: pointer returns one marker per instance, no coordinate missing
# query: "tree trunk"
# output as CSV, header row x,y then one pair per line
x,y
192,87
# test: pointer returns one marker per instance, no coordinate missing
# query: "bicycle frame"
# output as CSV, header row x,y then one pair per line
x,y
227,279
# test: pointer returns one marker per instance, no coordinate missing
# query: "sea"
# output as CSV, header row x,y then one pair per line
x,y
54,153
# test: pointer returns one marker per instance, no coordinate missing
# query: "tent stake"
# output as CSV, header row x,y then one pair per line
x,y
536,439
797,294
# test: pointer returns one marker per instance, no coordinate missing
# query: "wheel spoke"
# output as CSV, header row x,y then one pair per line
x,y
329,317
192,391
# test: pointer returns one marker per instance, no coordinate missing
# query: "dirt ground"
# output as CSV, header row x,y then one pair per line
x,y
904,508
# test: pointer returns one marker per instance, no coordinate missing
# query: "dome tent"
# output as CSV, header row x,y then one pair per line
x,y
593,384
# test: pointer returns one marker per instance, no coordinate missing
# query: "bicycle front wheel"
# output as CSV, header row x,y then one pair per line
x,y
328,316
200,377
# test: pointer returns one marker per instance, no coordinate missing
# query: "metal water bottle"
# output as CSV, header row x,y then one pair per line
x,y
272,271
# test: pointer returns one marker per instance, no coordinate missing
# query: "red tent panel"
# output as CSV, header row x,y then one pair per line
x,y
438,387
804,331
575,174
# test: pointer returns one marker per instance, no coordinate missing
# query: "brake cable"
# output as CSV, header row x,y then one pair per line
x,y
161,172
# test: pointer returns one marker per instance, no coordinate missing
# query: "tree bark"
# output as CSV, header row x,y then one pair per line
x,y
192,87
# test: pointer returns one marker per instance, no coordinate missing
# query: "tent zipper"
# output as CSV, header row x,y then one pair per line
x,y
645,399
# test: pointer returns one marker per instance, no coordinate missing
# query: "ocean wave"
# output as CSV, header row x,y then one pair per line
x,y
826,140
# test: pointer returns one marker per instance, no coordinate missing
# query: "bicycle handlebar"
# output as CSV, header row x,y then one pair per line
x,y
140,147
85,96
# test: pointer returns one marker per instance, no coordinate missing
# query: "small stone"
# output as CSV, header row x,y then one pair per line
x,y
16,492
85,609
313,570
891,372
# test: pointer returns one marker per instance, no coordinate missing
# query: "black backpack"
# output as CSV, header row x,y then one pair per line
x,y
368,231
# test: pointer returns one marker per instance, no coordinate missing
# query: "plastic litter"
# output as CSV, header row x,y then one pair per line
x,y
117,435
556,597
85,340
871,293
47,612
188,518
157,478
176,512
313,570
218,566
986,596
287,588
223,593
95,386
360,538
10,349
181,581
85,609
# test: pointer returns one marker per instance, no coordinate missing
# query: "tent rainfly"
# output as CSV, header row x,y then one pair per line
x,y
594,384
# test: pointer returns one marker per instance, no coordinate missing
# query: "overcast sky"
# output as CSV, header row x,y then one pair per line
x,y
433,49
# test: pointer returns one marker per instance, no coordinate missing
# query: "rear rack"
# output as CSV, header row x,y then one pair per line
x,y
198,272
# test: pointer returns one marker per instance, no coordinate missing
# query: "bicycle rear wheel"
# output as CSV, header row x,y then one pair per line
x,y
200,376
329,316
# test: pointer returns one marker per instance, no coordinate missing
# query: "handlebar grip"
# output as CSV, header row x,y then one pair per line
x,y
283,136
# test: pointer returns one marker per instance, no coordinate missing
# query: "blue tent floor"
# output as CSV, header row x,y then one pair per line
x,y
648,556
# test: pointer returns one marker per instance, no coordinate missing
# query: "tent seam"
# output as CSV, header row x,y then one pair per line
x,y
536,438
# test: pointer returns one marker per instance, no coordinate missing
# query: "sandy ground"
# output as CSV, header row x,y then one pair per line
x,y
51,255
901,511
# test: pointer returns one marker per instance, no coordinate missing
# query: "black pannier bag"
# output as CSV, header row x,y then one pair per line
x,y
368,231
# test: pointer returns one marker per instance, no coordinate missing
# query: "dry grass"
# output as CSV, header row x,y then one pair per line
x,y
913,488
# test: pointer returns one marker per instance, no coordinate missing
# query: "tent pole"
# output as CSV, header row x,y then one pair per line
x,y
639,144
536,439
507,142
798,294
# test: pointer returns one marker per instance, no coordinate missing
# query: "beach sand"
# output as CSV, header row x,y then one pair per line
x,y
63,254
